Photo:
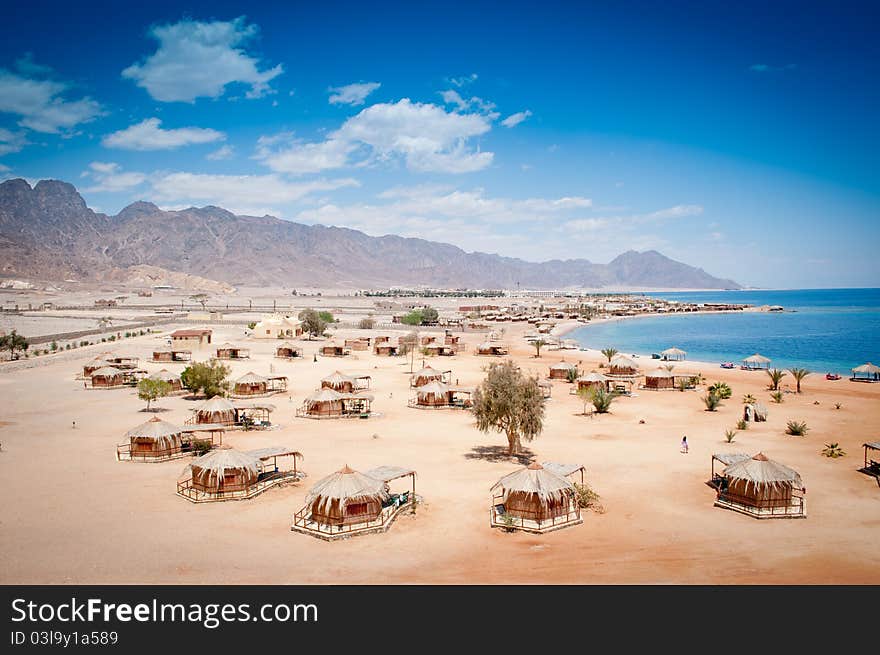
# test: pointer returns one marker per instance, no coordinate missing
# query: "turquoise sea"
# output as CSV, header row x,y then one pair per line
x,y
829,330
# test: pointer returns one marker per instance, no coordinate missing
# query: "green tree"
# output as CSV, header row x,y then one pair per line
x,y
571,375
54,346
798,374
312,323
429,316
721,389
609,353
775,376
206,377
601,399
201,298
413,318
507,401
150,389
14,342
711,401
538,344
327,317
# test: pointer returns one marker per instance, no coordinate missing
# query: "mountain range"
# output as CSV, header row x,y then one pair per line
x,y
47,231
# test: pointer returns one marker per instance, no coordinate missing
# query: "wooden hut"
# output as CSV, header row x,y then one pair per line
x,y
867,372
94,365
560,370
429,374
439,350
153,440
385,348
348,502
535,499
230,351
217,410
623,366
756,362
590,380
673,354
107,377
250,384
361,343
660,379
438,395
227,474
288,351
338,382
491,349
171,378
762,488
172,355
123,362
333,349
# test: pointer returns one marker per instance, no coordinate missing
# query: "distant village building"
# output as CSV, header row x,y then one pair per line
x,y
187,339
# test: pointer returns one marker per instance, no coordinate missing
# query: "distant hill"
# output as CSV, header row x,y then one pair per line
x,y
48,232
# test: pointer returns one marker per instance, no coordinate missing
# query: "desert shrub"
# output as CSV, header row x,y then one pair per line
x,y
833,450
200,446
585,496
777,397
721,389
729,435
796,428
742,424
711,401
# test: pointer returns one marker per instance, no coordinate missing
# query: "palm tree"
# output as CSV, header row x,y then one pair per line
x,y
775,378
711,401
601,399
721,389
609,353
571,375
749,399
538,344
798,374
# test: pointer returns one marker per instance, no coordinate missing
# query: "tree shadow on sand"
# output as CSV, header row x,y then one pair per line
x,y
155,410
498,455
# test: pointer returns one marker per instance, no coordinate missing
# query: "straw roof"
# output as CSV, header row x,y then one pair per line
x,y
165,375
563,366
562,470
757,359
106,371
324,395
434,387
251,378
273,451
337,378
761,471
267,406
875,445
215,463
344,485
387,473
215,404
622,361
426,372
592,377
156,430
535,479
673,351
660,373
868,367
99,361
288,346
228,346
731,458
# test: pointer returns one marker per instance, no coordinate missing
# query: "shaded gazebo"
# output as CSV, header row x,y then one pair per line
x,y
756,362
228,474
867,372
561,370
537,498
673,354
762,488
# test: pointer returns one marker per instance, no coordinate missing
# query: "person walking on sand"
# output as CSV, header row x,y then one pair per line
x,y
684,444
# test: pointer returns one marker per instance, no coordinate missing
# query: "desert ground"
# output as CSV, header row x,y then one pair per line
x,y
71,513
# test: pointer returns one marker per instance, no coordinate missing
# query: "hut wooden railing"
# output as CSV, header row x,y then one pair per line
x,y
572,515
793,506
302,519
124,454
414,403
304,412
266,480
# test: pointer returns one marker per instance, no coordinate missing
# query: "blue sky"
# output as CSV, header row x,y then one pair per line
x,y
742,140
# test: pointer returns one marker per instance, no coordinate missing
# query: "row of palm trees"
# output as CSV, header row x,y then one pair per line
x,y
776,376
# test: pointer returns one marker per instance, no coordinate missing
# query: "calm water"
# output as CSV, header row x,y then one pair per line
x,y
831,329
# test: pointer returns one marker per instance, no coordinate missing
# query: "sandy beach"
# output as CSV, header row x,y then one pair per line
x,y
73,514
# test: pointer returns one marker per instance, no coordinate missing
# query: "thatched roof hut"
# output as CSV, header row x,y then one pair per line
x,y
560,370
867,372
660,379
231,351
429,374
216,410
673,354
171,378
288,351
535,493
94,365
346,497
225,470
623,365
338,382
756,361
107,376
759,485
154,438
250,384
591,379
489,348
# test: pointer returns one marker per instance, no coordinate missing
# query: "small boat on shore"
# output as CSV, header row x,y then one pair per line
x,y
727,365
832,376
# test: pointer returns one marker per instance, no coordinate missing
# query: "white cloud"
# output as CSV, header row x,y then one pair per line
x,y
110,178
425,137
679,211
40,105
148,135
284,154
196,60
11,141
241,194
4,169
515,119
463,80
352,94
451,97
224,152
